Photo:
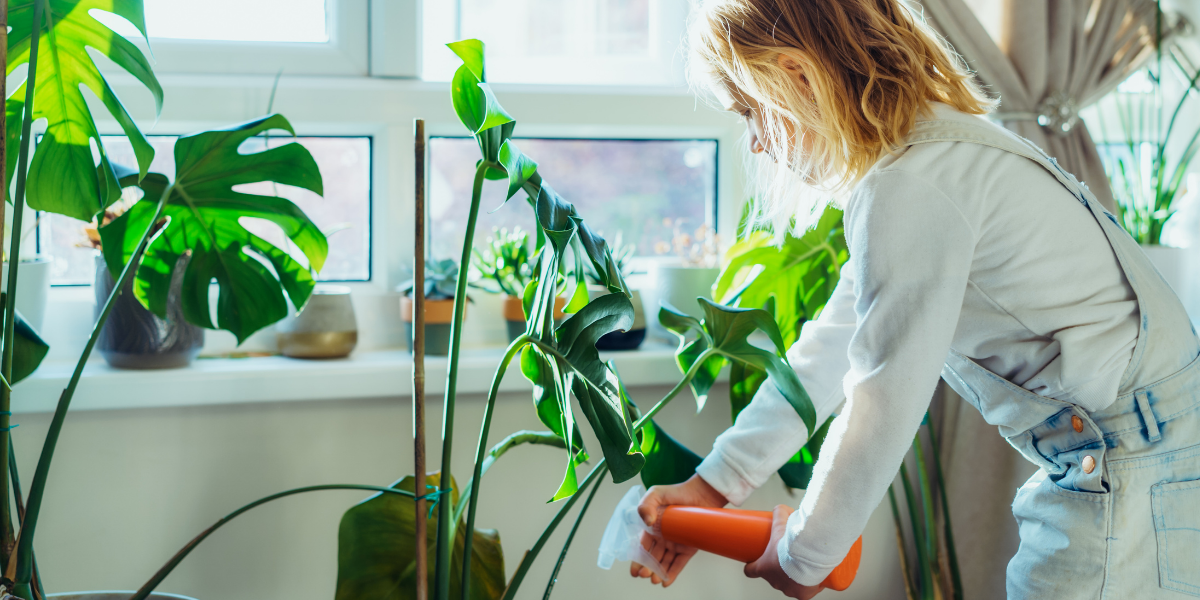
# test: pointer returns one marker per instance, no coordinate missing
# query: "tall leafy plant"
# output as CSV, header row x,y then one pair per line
x,y
1148,174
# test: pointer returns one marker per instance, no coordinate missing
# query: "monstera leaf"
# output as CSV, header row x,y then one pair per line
x,y
204,219
376,550
63,178
723,335
668,462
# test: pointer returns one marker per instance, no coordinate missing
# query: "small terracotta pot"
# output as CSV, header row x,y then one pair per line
x,y
439,315
514,314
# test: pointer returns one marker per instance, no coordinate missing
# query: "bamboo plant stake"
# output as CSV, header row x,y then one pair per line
x,y
418,358
7,534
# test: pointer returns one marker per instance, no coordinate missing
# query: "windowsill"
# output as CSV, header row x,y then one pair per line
x,y
365,374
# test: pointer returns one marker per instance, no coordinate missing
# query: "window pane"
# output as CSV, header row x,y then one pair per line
x,y
230,20
554,41
625,186
344,213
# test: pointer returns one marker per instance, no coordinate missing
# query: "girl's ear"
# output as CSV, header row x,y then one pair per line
x,y
793,66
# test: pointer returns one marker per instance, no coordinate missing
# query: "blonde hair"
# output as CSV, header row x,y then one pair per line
x,y
871,67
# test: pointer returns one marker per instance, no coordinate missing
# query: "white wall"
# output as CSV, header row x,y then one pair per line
x,y
129,488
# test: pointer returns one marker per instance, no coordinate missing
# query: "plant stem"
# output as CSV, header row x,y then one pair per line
x,y
531,555
926,576
24,566
476,478
39,593
927,500
14,259
955,576
541,438
166,569
570,538
687,378
909,592
445,543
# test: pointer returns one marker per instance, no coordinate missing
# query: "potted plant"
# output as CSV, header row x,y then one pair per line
x,y
686,269
621,340
1148,171
440,276
505,266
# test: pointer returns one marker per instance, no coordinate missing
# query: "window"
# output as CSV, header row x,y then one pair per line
x,y
344,213
589,42
633,187
302,37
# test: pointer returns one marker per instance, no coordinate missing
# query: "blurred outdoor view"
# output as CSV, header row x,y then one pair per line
x,y
628,186
344,214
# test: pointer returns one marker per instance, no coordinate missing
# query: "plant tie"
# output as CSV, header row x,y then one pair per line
x,y
437,496
8,413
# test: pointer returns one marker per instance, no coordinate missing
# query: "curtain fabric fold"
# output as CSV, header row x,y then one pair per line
x,y
1053,58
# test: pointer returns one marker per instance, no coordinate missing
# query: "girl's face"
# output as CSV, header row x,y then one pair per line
x,y
748,109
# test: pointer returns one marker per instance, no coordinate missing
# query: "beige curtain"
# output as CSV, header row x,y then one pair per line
x,y
1045,59
1049,59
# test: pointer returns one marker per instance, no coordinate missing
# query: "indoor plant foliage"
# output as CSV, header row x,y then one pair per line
x,y
560,362
441,277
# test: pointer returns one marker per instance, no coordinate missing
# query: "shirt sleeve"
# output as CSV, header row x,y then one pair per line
x,y
768,431
913,250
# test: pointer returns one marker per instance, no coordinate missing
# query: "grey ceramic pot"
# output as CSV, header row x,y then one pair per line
x,y
135,338
113,596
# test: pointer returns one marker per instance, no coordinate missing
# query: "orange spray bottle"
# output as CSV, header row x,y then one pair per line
x,y
742,535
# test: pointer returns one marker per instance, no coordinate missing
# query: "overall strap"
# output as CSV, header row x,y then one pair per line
x,y
1165,329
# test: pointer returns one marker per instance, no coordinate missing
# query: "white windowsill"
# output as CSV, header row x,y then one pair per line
x,y
365,374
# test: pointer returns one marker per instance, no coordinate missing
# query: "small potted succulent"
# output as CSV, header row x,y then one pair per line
x,y
505,267
686,270
440,277
620,340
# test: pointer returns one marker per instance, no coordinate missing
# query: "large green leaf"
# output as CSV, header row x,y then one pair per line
x,y
205,215
376,547
667,461
62,175
723,333
797,472
29,350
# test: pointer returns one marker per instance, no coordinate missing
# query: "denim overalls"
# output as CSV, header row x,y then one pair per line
x,y
1114,510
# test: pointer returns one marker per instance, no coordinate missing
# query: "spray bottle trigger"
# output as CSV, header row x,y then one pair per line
x,y
622,539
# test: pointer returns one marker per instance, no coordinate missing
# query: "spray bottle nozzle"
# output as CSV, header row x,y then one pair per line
x,y
622,539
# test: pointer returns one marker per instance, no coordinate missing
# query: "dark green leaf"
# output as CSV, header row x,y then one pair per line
x,y
205,216
14,109
519,167
553,408
376,548
63,177
667,461
797,472
744,382
29,350
706,375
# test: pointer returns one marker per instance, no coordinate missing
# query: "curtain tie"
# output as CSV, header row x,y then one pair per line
x,y
1057,113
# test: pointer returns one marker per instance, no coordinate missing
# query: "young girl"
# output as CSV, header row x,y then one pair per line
x,y
975,258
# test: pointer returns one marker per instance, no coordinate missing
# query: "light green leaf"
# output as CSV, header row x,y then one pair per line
x,y
579,299
62,175
494,115
471,53
204,217
376,548
519,167
468,98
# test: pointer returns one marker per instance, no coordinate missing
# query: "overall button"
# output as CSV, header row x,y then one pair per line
x,y
1089,464
1076,423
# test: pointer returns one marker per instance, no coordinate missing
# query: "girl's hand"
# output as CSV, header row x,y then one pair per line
x,y
767,566
693,492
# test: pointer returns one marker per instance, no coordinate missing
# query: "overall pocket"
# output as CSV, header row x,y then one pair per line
x,y
1176,508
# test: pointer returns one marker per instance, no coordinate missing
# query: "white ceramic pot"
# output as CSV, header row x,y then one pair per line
x,y
113,595
33,289
325,328
678,287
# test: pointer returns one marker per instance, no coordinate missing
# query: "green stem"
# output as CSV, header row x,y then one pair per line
x,y
37,489
687,378
955,575
19,496
925,573
570,538
14,260
166,569
531,555
541,438
477,477
909,592
927,501
445,543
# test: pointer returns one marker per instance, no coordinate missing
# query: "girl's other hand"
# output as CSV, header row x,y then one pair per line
x,y
693,492
767,566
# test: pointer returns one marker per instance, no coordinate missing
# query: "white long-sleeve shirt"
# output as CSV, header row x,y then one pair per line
x,y
953,245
